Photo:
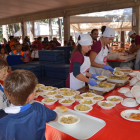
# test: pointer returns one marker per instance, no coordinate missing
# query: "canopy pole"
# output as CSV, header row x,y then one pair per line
x,y
23,29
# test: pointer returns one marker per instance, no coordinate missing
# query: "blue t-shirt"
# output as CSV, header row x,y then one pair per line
x,y
27,125
18,53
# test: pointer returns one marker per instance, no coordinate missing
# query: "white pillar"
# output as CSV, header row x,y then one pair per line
x,y
23,29
5,34
32,34
66,22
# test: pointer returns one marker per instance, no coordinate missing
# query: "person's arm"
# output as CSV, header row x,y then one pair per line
x,y
92,57
134,49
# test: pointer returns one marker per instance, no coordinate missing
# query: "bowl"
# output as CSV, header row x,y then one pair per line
x,y
78,100
129,102
38,86
124,90
68,115
49,103
66,104
70,96
84,111
53,95
128,94
137,84
97,100
133,81
101,79
93,101
118,75
47,88
116,102
58,97
136,72
61,90
88,98
76,92
104,107
135,90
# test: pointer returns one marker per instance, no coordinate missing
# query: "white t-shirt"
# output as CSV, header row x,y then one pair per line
x,y
4,57
35,54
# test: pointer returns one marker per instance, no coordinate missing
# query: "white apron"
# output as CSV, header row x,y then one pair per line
x,y
74,82
138,56
101,58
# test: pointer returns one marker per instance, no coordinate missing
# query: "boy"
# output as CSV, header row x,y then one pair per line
x,y
34,54
18,51
12,49
3,99
24,121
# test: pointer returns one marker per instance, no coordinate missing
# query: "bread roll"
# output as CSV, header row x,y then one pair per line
x,y
61,109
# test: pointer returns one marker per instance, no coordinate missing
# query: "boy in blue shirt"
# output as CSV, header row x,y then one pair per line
x,y
24,121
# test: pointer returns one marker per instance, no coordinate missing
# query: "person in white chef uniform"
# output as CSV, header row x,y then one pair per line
x,y
99,52
80,64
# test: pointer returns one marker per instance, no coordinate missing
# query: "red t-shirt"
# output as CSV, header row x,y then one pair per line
x,y
76,57
137,40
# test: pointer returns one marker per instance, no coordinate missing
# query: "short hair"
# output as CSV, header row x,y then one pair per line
x,y
39,38
103,29
3,63
94,30
18,85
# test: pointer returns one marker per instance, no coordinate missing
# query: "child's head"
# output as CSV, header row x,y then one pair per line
x,y
12,48
18,47
3,50
3,69
35,47
19,87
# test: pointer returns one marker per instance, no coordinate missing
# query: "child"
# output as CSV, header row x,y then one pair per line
x,y
3,54
12,49
3,99
27,54
18,51
24,121
34,54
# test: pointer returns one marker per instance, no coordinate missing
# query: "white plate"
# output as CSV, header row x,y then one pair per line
x,y
67,89
84,111
87,98
51,96
127,104
78,120
129,94
93,101
103,107
124,89
120,91
49,103
119,75
66,104
98,96
116,102
71,96
128,112
101,79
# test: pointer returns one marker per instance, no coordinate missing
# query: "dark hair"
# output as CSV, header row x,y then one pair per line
x,y
18,85
5,51
77,48
13,45
3,63
103,29
132,41
39,38
26,48
94,30
11,37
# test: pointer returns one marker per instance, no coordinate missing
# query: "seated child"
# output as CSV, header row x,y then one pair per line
x,y
12,49
3,99
24,121
18,51
34,54
3,53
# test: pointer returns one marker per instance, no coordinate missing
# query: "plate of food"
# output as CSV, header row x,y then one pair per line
x,y
106,104
88,95
66,102
59,96
118,73
115,79
131,115
78,98
68,120
115,99
83,108
49,101
76,92
38,86
88,102
101,77
68,94
39,91
61,90
51,93
46,88
98,98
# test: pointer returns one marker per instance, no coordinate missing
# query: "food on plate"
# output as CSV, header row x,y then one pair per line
x,y
39,90
61,109
38,85
63,89
78,97
98,98
118,73
87,102
74,91
52,93
48,100
82,107
58,96
114,99
47,88
101,76
67,93
118,78
126,71
67,101
106,104
88,94
68,120
104,85
135,116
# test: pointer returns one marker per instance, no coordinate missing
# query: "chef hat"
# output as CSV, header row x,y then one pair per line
x,y
109,32
85,39
131,32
